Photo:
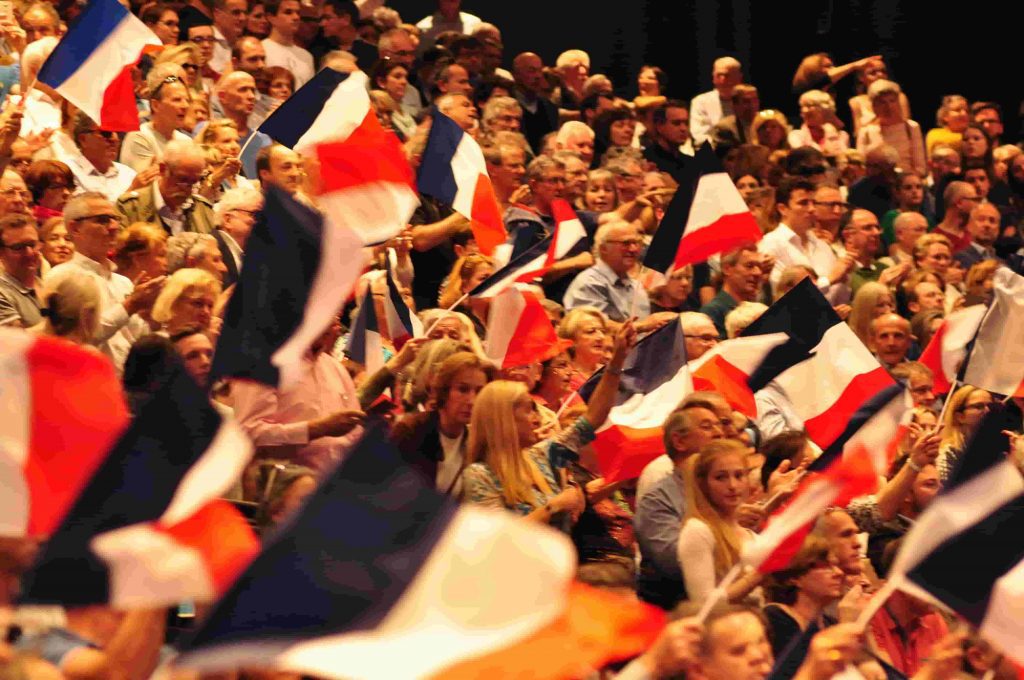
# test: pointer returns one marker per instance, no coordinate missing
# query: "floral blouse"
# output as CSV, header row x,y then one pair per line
x,y
481,485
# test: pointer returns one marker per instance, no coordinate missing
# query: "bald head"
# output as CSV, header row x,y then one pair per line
x,y
528,70
983,225
890,338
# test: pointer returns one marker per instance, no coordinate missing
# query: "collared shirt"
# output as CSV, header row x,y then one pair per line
x,y
221,59
19,305
862,275
833,143
40,113
659,514
112,183
788,249
292,57
141,147
172,219
619,297
276,420
118,331
718,308
907,649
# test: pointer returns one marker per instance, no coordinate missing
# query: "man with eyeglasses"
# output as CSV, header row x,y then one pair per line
x,y
862,240
171,200
197,28
285,16
14,194
19,280
93,225
169,101
829,206
608,286
95,167
236,213
229,17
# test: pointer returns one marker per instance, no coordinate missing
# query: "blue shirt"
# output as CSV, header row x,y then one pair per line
x,y
658,518
618,297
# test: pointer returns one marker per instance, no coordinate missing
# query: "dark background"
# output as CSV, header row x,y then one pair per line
x,y
930,51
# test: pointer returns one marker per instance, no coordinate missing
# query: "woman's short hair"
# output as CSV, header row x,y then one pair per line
x,y
209,133
575,317
926,241
180,283
780,586
818,98
419,377
66,297
43,174
446,372
137,239
742,316
949,101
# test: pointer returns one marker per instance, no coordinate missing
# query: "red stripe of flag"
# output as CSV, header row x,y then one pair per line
x,y
724,234
623,452
825,427
488,228
223,539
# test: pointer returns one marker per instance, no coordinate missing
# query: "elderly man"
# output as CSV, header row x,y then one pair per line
x,y
95,166
660,509
862,240
459,108
700,334
708,108
502,114
670,131
736,129
983,228
19,279
229,17
236,213
284,17
506,166
199,251
576,137
608,286
170,201
907,227
237,95
14,194
248,55
453,79
93,224
742,277
889,338
540,116
573,67
169,101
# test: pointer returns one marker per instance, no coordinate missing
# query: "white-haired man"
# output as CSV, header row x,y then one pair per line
x,y
573,66
236,213
708,108
459,108
169,201
576,137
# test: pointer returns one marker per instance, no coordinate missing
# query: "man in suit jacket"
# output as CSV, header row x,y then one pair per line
x,y
983,227
236,213
169,201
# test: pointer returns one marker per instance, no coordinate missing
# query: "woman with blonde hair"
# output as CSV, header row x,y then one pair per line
x,y
187,299
952,119
715,483
511,467
770,129
443,323
871,301
185,55
466,274
817,109
588,329
599,194
979,281
141,249
965,411
71,307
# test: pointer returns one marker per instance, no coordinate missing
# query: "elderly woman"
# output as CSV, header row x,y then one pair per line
x,y
56,245
277,82
952,119
892,128
510,466
872,300
770,130
860,105
588,329
71,307
141,250
187,299
816,109
440,323
51,184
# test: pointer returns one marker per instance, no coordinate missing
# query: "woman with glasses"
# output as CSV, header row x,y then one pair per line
x,y
967,407
187,56
162,20
51,184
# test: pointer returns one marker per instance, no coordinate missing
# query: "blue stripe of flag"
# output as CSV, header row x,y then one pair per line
x,y
435,174
366,321
297,114
85,34
397,303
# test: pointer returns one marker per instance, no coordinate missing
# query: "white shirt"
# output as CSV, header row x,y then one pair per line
x,y
655,471
221,59
291,57
435,24
112,183
905,137
41,113
788,249
448,468
706,110
834,143
142,146
118,331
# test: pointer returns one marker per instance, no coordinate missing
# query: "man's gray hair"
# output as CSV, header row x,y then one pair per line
x,y
497,105
238,198
180,246
77,206
179,150
540,165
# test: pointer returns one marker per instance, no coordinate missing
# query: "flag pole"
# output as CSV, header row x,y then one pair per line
x,y
719,592
455,304
949,397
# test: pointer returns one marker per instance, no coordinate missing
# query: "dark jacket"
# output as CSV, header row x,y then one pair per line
x,y
418,440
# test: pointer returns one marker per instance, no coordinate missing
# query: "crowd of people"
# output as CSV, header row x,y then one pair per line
x,y
132,244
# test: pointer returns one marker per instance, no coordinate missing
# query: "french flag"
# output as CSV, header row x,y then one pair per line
x,y
947,349
298,271
726,368
92,65
824,370
402,323
706,216
380,576
366,183
519,331
365,344
850,468
453,171
149,528
996,362
63,408
569,238
965,549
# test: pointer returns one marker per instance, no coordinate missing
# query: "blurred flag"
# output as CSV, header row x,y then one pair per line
x,y
947,349
519,331
996,362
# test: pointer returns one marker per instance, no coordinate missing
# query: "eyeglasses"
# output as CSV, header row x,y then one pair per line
x,y
628,242
22,247
553,180
705,338
105,134
812,170
103,220
203,39
12,193
831,205
190,67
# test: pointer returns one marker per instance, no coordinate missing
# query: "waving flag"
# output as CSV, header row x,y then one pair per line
x,y
92,65
380,576
569,238
366,184
706,216
364,339
402,322
726,368
965,549
996,363
298,271
454,172
947,349
62,408
824,370
519,331
149,529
